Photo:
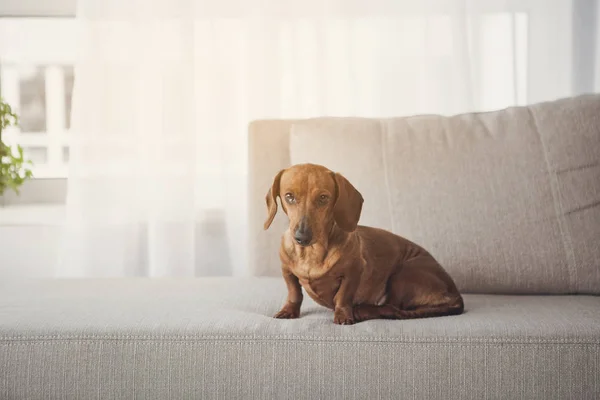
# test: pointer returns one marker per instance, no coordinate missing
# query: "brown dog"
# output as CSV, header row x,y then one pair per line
x,y
360,272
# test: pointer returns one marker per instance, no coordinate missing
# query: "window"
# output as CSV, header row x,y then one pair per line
x,y
36,78
37,40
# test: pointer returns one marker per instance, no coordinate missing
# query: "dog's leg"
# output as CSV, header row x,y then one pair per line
x,y
343,312
291,308
420,289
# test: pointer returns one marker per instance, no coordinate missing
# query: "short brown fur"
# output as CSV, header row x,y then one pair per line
x,y
359,272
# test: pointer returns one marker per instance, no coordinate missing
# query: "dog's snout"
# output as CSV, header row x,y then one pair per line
x,y
303,233
303,238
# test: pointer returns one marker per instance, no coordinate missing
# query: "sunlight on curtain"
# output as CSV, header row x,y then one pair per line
x,y
165,90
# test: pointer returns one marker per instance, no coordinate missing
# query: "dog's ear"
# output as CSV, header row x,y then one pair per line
x,y
348,204
271,198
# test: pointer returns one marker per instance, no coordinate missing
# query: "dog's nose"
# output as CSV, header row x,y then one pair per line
x,y
303,239
303,234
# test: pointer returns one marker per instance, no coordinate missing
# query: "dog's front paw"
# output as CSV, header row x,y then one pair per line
x,y
289,311
343,316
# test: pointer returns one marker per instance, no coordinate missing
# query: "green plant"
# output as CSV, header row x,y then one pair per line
x,y
14,169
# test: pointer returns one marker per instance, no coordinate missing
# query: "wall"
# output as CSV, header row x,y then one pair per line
x,y
29,241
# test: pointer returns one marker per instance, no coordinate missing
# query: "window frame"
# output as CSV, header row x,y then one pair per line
x,y
38,191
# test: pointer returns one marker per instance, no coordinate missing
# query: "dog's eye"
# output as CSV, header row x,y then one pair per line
x,y
289,198
323,199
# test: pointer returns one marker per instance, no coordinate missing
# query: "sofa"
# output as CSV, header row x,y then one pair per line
x,y
508,201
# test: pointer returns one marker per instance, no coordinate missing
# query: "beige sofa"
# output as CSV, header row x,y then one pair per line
x,y
509,203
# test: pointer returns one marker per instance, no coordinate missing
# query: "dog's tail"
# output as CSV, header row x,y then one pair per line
x,y
365,312
456,307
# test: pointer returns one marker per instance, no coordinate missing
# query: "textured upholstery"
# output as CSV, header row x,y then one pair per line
x,y
508,201
215,338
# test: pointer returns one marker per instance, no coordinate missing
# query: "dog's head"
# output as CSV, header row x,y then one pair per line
x,y
313,197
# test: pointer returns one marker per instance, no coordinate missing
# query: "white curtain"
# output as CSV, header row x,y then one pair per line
x,y
165,89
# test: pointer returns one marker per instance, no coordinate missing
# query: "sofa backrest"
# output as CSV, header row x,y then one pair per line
x,y
508,201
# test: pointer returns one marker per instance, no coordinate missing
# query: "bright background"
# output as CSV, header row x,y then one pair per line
x,y
136,112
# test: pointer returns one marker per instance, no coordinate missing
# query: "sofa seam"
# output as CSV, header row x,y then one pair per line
x,y
356,344
565,234
8,339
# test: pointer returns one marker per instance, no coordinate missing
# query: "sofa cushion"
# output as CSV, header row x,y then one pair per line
x,y
508,201
215,338
570,133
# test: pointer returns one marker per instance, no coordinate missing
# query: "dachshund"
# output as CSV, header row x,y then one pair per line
x,y
359,272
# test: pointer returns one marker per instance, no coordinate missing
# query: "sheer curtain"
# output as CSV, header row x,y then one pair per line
x,y
165,89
